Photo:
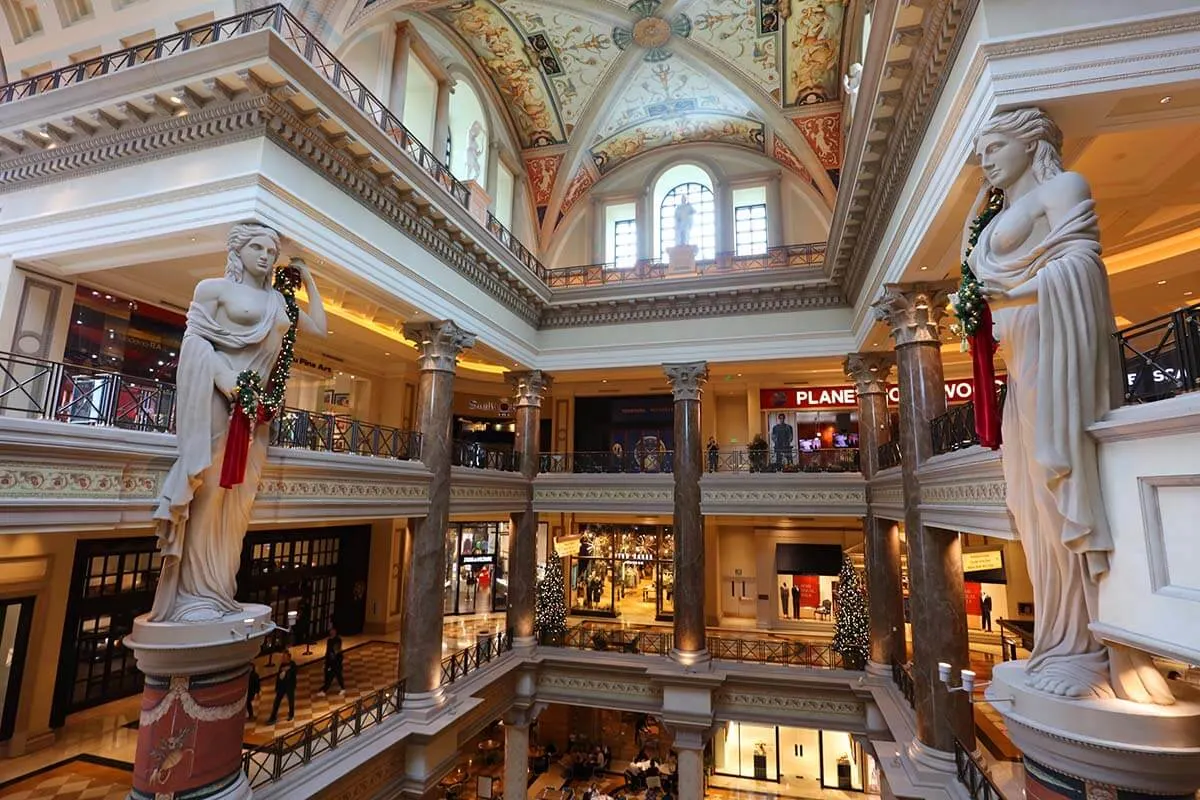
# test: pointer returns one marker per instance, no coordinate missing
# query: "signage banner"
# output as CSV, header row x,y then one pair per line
x,y
823,398
567,545
478,559
982,561
974,593
810,590
480,406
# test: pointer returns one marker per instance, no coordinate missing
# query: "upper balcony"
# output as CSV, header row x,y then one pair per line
x,y
263,73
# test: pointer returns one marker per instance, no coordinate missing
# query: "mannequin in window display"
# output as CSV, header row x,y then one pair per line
x,y
795,601
783,597
236,324
1039,268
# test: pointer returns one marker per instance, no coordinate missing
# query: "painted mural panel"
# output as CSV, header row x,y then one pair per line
x,y
813,36
784,155
542,170
668,88
573,52
743,32
502,51
582,181
652,134
824,135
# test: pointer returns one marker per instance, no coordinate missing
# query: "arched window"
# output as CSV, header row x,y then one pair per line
x,y
469,137
703,231
690,183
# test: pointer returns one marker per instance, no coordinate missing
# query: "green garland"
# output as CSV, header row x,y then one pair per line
x,y
968,301
259,402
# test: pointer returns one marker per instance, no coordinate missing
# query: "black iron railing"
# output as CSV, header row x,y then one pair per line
x,y
955,429
480,456
36,389
1015,633
470,659
660,642
830,459
889,455
971,774
1160,358
782,257
310,430
266,763
278,19
650,461
903,678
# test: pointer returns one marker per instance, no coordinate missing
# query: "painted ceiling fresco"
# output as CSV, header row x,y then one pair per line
x,y
592,84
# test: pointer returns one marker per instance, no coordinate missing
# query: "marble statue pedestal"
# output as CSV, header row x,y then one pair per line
x,y
1100,748
681,259
194,704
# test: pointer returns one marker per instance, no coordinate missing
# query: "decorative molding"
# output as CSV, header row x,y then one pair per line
x,y
913,311
438,344
772,701
530,387
31,479
574,685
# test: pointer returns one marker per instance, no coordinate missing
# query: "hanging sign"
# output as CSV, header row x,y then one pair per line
x,y
567,545
982,561
825,398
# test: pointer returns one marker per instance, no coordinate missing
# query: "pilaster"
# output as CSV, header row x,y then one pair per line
x,y
528,390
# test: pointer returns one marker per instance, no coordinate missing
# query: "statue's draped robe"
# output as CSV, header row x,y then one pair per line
x,y
1060,381
201,525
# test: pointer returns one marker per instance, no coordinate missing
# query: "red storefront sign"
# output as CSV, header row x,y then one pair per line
x,y
974,593
822,398
810,590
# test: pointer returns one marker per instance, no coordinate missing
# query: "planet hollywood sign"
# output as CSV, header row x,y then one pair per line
x,y
821,398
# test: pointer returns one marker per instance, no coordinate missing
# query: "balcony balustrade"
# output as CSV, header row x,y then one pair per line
x,y
838,459
480,456
650,461
1160,358
889,455
955,430
33,388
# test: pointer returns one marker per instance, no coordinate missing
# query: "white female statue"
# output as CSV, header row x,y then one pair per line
x,y
683,223
237,326
1039,267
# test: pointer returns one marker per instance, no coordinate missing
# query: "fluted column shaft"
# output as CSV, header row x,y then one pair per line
x,y
885,591
421,657
686,382
937,599
529,387
516,755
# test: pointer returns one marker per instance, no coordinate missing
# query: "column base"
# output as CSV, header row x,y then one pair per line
x,y
425,705
1115,745
524,644
692,658
194,704
931,758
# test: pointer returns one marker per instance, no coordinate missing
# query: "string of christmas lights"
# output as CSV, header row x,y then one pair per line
x,y
262,403
852,625
550,613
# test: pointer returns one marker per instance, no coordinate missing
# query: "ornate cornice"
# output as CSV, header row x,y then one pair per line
x,y
438,344
798,704
757,300
869,371
687,380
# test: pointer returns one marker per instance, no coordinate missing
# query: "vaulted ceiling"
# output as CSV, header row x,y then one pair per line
x,y
591,85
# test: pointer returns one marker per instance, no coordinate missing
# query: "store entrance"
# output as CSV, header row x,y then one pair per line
x,y
477,579
799,761
16,618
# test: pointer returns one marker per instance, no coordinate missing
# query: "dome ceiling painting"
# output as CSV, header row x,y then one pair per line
x,y
591,85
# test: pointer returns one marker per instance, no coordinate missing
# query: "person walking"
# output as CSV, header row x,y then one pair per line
x,y
334,659
714,454
285,686
253,691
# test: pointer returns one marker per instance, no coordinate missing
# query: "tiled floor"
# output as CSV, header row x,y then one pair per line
x,y
77,779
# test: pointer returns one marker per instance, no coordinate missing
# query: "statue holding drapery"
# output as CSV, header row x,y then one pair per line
x,y
233,367
1035,261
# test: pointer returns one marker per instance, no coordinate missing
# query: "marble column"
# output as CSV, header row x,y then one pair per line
x,y
689,756
885,594
441,121
686,382
516,753
438,346
937,599
529,388
400,56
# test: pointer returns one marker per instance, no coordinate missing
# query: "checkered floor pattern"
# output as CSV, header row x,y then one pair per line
x,y
77,779
367,667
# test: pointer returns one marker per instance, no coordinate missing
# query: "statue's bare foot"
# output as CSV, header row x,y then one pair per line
x,y
1135,678
1059,684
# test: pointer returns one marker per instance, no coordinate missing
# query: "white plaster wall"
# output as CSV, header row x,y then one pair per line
x,y
1151,481
1007,18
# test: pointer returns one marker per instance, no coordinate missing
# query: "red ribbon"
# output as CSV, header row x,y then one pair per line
x,y
237,448
983,370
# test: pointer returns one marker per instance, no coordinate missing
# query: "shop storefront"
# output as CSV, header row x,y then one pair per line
x,y
807,577
319,573
801,760
623,571
476,567
636,431
985,582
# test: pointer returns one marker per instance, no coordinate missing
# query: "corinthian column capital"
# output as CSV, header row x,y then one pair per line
x,y
913,311
869,371
529,387
438,343
687,379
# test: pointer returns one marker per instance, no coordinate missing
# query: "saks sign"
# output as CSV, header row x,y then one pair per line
x,y
830,397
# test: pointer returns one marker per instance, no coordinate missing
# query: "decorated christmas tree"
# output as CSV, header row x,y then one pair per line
x,y
550,618
852,634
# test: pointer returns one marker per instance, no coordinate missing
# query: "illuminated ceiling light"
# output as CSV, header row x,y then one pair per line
x,y
329,332
1187,294
923,269
739,374
174,99
1162,283
1165,99
386,353
604,380
43,134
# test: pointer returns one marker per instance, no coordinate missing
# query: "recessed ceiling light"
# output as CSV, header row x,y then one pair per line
x,y
329,332
1187,294
52,145
1161,283
924,268
739,374
604,380
386,353
1165,99
174,99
